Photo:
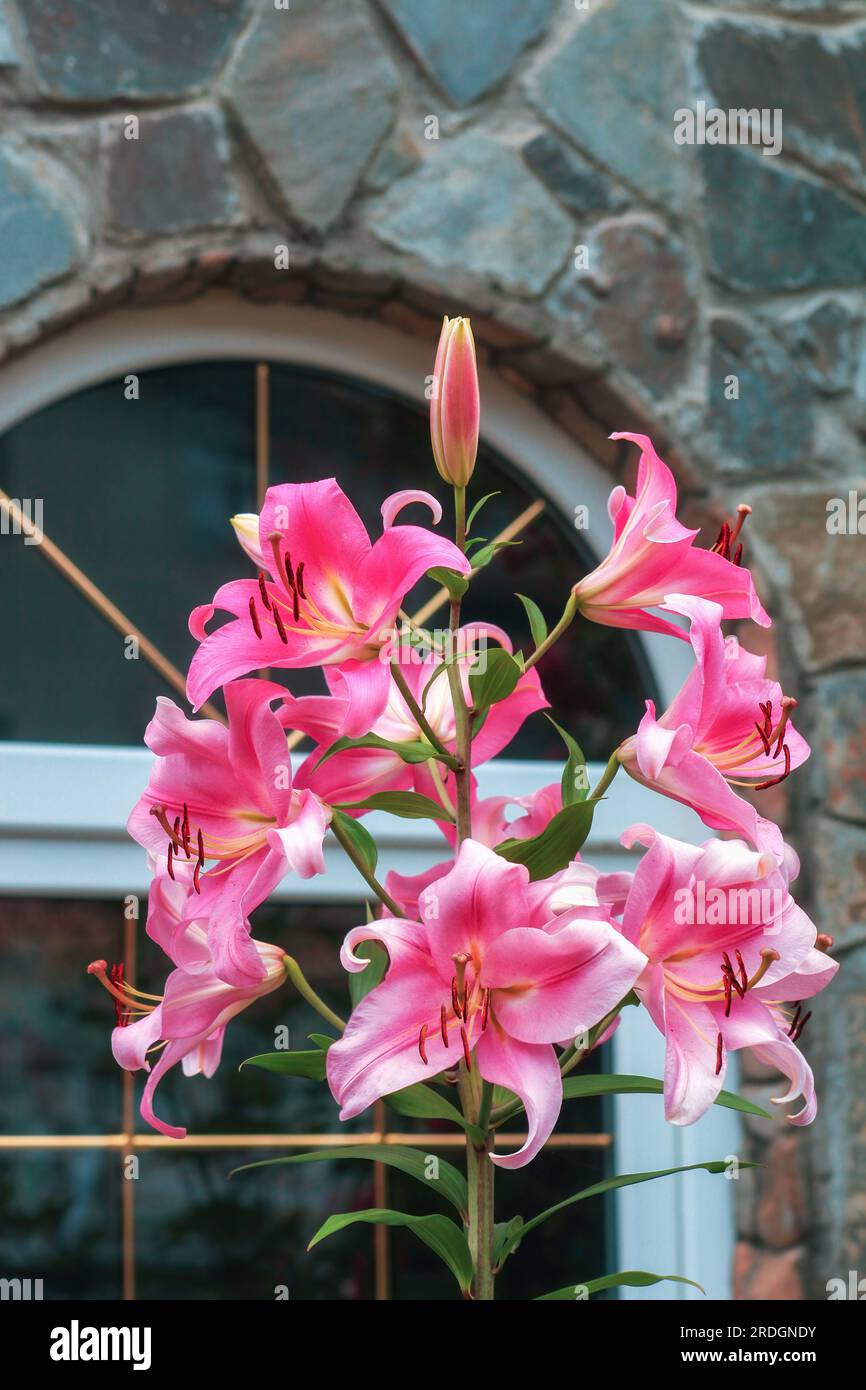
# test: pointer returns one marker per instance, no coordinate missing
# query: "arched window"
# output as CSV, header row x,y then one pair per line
x,y
138,436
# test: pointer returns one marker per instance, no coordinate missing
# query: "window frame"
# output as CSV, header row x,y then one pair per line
x,y
63,808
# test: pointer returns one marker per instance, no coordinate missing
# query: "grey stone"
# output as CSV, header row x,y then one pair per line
x,y
93,50
769,229
469,47
316,94
399,155
8,55
839,863
614,88
839,743
174,177
578,184
825,342
818,9
817,80
767,424
474,208
637,296
37,242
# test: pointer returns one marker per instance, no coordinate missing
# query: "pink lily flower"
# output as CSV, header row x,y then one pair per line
x,y
728,727
221,800
486,979
729,951
189,1021
357,773
324,595
652,555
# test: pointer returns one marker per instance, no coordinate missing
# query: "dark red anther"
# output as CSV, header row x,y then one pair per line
x,y
728,995
175,833
744,976
728,969
422,1043
467,1056
299,580
184,831
801,1025
263,590
290,576
723,541
738,554
765,741
200,846
196,873
774,781
795,1020
296,606
485,1010
120,1012
254,617
443,1024
279,623
455,1001
170,865
719,1053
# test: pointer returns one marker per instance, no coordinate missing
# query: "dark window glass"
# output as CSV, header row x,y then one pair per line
x,y
199,1233
138,494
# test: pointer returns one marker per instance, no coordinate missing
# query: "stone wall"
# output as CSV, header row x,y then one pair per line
x,y
516,159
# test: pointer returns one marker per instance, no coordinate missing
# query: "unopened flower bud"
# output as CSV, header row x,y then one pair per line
x,y
455,408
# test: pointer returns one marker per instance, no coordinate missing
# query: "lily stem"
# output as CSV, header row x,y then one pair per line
x,y
568,616
420,718
306,991
604,781
364,870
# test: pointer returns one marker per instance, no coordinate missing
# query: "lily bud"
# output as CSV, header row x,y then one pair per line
x,y
455,409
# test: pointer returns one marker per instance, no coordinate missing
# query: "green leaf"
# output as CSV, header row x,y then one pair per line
x,y
409,805
450,1182
495,682
439,1232
410,752
502,1233
322,1040
360,837
717,1165
477,508
363,981
557,844
421,1102
483,556
537,620
456,584
309,1064
579,1086
631,1278
575,781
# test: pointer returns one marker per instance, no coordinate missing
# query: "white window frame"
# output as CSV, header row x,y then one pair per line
x,y
63,808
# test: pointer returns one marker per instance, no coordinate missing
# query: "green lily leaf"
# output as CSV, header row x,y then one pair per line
x,y
308,1064
483,556
631,1278
575,780
718,1165
537,620
456,584
496,682
421,1102
557,844
439,1232
409,805
322,1040
360,838
477,508
578,1086
449,1181
409,752
503,1231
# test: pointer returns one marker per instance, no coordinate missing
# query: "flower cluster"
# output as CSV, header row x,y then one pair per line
x,y
508,960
